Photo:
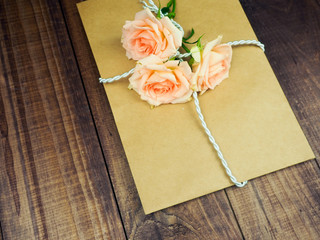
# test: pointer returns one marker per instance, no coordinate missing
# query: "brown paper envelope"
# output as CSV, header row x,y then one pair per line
x,y
170,156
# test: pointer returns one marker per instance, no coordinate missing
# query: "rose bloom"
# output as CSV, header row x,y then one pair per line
x,y
158,83
148,35
213,67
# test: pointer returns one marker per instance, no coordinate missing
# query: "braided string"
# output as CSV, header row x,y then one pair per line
x,y
206,129
214,144
154,8
118,77
247,42
183,55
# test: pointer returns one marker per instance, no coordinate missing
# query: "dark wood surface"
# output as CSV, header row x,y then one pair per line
x,y
1,238
63,171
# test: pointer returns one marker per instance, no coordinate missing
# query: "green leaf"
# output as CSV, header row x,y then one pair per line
x,y
191,61
159,11
185,48
199,42
171,15
190,42
190,35
165,10
174,6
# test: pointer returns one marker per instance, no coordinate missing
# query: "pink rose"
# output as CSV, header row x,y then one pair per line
x,y
213,67
147,35
158,83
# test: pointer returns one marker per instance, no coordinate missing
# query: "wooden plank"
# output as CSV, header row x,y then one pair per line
x,y
1,236
54,182
209,217
281,205
285,204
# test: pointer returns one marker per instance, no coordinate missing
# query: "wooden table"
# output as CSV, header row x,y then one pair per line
x,y
63,171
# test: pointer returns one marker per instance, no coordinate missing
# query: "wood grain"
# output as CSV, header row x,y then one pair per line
x,y
1,236
204,218
285,204
281,205
57,129
54,183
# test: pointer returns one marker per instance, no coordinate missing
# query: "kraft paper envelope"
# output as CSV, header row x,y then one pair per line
x,y
169,154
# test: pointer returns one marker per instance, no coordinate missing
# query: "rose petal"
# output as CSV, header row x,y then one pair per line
x,y
164,37
160,83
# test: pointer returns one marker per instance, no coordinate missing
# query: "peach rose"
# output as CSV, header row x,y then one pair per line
x,y
158,83
147,35
213,67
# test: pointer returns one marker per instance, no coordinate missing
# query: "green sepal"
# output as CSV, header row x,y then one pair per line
x,y
185,48
191,61
190,35
170,3
190,42
159,11
165,10
171,15
199,42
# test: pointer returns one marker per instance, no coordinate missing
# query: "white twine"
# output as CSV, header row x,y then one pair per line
x,y
154,8
183,55
247,42
214,144
204,125
118,77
